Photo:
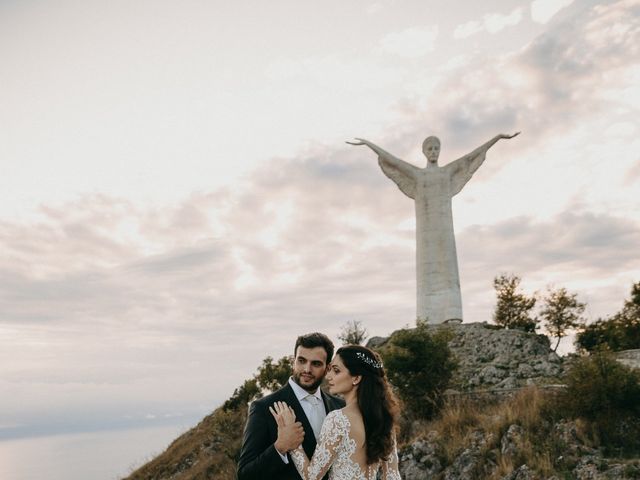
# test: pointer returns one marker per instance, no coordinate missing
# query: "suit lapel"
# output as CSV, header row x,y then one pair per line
x,y
309,442
329,405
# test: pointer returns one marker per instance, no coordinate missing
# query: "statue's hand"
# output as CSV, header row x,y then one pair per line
x,y
361,141
504,135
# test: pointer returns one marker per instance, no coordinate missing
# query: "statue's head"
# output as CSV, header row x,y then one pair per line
x,y
431,149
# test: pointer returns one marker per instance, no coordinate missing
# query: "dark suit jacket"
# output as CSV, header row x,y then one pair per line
x,y
259,460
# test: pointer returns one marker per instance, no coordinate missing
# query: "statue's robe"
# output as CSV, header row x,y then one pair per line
x,y
432,188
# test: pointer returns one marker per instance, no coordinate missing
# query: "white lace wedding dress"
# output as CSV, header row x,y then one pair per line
x,y
335,450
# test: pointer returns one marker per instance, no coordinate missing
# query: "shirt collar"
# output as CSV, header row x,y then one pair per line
x,y
301,392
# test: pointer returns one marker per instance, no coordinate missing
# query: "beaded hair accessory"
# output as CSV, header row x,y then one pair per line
x,y
368,360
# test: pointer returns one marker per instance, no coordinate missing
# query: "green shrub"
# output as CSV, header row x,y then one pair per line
x,y
599,385
242,395
270,377
607,393
619,332
419,365
616,333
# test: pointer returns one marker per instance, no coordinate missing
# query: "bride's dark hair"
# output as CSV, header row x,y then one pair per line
x,y
378,404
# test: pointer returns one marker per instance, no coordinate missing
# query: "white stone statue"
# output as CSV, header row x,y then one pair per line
x,y
438,282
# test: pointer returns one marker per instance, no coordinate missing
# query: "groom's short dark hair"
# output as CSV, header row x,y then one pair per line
x,y
315,339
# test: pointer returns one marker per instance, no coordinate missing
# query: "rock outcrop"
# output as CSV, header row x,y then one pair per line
x,y
493,358
630,358
425,458
500,362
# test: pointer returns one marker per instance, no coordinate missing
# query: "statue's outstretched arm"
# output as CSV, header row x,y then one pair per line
x,y
482,149
386,157
464,167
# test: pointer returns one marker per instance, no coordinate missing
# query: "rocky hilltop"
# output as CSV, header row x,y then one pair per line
x,y
499,436
493,358
630,358
480,439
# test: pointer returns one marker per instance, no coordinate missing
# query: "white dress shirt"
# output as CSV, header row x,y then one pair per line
x,y
301,394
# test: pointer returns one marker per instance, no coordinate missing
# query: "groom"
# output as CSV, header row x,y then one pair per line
x,y
264,447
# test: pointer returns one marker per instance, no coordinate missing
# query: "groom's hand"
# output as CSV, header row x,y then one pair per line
x,y
289,437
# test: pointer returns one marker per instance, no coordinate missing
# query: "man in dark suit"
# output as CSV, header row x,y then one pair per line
x,y
264,447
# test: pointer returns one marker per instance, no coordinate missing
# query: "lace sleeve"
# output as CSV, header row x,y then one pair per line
x,y
390,467
333,430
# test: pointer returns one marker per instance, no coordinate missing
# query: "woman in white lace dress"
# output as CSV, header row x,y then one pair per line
x,y
358,440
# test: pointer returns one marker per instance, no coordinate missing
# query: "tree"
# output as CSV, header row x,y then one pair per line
x,y
627,320
270,377
618,332
561,312
245,393
513,308
419,366
599,335
353,333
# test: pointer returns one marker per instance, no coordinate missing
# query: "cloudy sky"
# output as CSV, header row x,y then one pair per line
x,y
177,201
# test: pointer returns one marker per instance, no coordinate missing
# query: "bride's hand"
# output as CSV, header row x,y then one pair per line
x,y
283,414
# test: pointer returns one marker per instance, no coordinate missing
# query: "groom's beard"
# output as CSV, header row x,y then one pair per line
x,y
311,387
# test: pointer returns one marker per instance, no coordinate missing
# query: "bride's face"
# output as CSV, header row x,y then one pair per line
x,y
339,379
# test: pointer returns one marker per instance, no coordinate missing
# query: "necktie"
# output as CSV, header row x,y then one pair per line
x,y
315,414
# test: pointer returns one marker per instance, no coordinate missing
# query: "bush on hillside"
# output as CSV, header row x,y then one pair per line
x,y
607,393
270,377
616,333
619,332
242,395
419,365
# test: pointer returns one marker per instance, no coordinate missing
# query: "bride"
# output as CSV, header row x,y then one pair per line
x,y
358,440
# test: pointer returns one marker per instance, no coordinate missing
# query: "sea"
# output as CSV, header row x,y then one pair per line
x,y
102,455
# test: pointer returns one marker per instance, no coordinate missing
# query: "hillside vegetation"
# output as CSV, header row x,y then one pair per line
x,y
589,429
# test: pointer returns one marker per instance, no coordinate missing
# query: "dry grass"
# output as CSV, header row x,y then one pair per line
x,y
209,450
504,467
461,419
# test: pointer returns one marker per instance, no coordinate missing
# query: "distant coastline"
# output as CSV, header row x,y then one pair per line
x,y
99,455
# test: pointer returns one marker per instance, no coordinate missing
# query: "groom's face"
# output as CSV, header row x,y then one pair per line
x,y
309,367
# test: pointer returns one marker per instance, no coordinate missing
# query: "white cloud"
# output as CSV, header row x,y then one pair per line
x,y
496,22
374,8
412,42
467,29
105,301
621,129
492,23
543,10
